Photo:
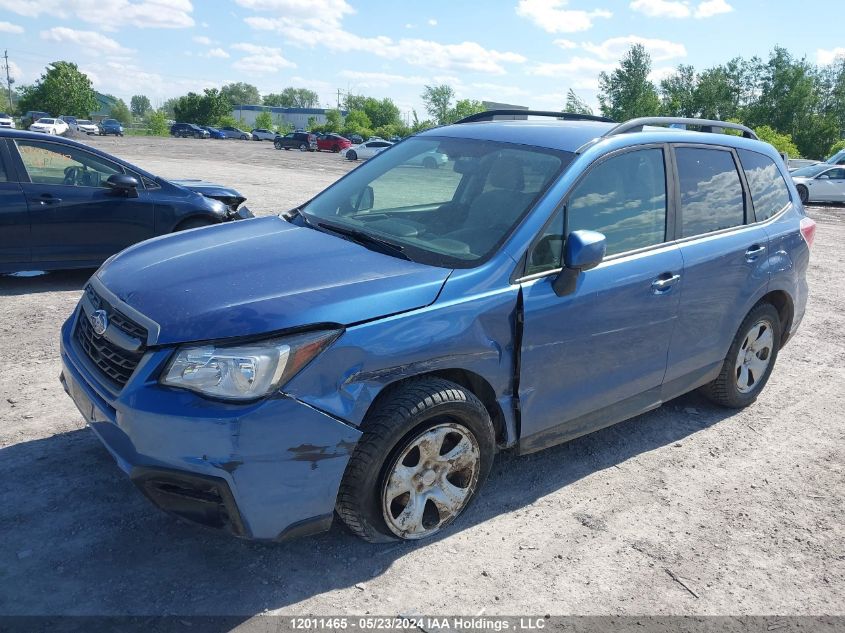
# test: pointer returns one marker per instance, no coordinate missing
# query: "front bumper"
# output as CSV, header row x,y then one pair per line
x,y
264,470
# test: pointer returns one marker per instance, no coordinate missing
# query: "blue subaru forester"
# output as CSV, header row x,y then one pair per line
x,y
368,353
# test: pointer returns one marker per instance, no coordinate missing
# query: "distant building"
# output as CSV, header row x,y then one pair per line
x,y
105,103
297,117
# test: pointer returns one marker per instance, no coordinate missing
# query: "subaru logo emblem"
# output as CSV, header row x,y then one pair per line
x,y
99,321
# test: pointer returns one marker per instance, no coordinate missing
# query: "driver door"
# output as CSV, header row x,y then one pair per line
x,y
74,216
829,186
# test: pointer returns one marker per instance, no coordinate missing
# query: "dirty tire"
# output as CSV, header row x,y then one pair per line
x,y
803,194
724,390
408,411
352,155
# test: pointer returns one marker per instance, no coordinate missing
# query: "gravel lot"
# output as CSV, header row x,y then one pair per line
x,y
690,509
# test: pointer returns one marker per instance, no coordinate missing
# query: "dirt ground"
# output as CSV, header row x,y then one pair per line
x,y
690,509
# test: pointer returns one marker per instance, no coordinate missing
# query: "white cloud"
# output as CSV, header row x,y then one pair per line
x,y
8,27
565,44
579,72
310,14
615,48
94,43
432,22
681,8
364,79
15,71
659,74
110,14
217,52
709,8
202,39
554,17
260,59
662,8
828,56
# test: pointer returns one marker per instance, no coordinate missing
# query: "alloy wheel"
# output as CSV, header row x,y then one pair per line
x,y
431,481
754,356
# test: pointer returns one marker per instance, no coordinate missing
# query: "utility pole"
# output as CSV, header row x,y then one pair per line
x,y
8,78
338,98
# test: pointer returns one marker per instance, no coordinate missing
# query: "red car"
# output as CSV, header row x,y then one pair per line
x,y
332,143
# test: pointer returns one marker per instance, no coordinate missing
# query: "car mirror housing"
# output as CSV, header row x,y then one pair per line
x,y
582,251
121,183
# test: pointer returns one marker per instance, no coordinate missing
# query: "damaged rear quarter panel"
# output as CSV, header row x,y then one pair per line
x,y
469,327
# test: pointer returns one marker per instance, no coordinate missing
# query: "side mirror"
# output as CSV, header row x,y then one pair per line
x,y
582,251
365,200
121,183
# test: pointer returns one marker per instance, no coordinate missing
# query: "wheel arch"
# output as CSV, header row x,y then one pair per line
x,y
783,303
479,386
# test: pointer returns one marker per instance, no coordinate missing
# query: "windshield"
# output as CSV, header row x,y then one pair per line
x,y
83,122
809,172
46,121
836,157
3,115
452,212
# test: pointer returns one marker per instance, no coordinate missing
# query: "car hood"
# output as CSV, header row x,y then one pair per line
x,y
261,276
208,189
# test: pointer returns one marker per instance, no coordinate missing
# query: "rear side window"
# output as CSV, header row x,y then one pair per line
x,y
3,176
625,199
768,189
711,191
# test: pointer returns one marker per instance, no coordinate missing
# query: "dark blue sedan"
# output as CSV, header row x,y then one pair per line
x,y
111,126
64,204
214,132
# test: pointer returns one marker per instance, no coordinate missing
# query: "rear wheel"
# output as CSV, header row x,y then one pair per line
x,y
425,451
277,144
335,148
302,147
803,193
352,155
750,360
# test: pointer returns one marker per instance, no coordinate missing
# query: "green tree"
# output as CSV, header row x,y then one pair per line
x,y
204,109
157,123
575,104
677,93
241,93
357,122
333,121
836,147
438,102
139,105
293,98
627,92
120,112
781,142
464,108
264,120
169,107
62,89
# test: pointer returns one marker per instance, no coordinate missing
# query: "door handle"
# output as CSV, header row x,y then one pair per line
x,y
49,199
664,283
754,252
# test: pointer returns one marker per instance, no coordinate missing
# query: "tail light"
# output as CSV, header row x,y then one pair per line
x,y
808,230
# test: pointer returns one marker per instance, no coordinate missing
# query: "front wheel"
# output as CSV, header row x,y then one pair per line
x,y
277,144
302,147
803,194
750,360
426,449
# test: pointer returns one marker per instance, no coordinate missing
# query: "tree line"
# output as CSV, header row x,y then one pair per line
x,y
797,106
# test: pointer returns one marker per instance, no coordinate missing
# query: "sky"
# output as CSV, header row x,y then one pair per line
x,y
526,52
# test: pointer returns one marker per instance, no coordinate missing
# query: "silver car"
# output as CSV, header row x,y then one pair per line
x,y
260,134
820,183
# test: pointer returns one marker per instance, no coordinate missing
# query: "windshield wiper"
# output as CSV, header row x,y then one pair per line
x,y
389,248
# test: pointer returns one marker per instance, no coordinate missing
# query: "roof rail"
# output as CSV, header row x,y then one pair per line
x,y
490,115
706,125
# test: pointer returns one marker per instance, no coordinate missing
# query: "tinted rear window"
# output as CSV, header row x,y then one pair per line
x,y
768,189
711,191
3,176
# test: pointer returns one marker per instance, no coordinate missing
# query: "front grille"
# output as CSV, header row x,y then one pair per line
x,y
115,363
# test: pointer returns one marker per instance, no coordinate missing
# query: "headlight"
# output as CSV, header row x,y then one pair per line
x,y
244,372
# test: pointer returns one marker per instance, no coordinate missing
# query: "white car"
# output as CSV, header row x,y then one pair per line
x,y
6,121
87,127
432,159
366,150
820,183
49,126
261,134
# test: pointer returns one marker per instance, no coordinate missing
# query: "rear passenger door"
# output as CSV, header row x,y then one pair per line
x,y
725,261
598,355
15,244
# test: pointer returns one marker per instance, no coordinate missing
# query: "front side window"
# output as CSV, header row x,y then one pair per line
x,y
833,174
711,191
55,164
768,188
624,197
454,215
